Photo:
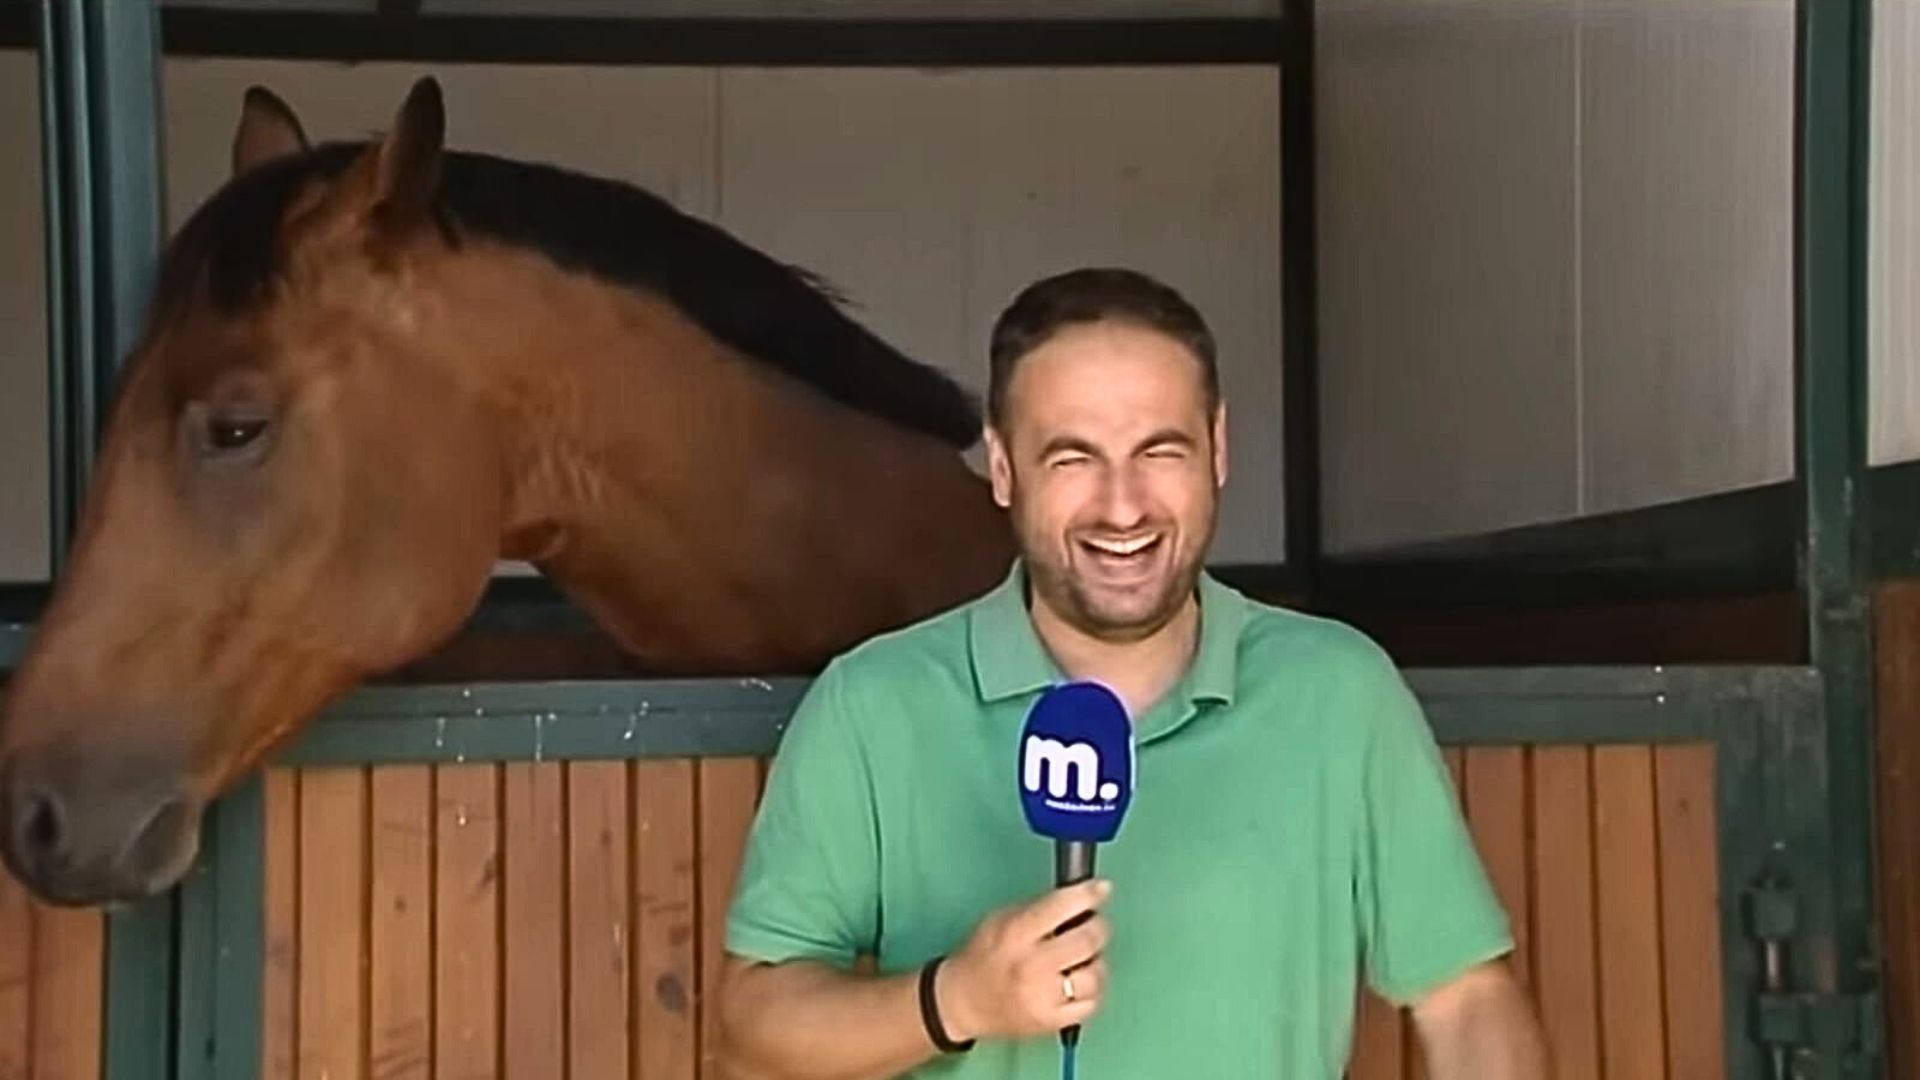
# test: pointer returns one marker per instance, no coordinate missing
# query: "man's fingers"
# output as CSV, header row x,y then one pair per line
x,y
1046,914
1089,981
1076,946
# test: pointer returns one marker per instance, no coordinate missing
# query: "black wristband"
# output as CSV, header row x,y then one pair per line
x,y
930,1012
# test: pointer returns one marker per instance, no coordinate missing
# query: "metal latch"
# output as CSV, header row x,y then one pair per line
x,y
1799,1028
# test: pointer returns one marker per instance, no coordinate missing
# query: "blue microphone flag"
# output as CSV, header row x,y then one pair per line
x,y
1076,763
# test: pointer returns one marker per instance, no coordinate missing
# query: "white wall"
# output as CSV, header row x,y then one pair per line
x,y
1894,235
1555,242
928,196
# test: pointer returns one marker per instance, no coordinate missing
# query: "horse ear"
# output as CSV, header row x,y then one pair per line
x,y
406,164
268,129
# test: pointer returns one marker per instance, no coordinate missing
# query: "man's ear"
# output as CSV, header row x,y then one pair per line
x,y
1220,445
999,469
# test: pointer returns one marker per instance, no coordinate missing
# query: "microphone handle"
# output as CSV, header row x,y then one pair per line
x,y
1072,864
1072,861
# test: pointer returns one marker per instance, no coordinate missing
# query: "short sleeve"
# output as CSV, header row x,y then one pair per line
x,y
808,886
1427,909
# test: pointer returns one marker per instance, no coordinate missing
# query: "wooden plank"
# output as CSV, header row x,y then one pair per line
x,y
1897,763
664,890
728,791
279,981
1496,782
1565,980
467,923
533,879
68,961
1633,1030
1413,1056
1376,1041
400,1025
598,943
333,931
16,979
1689,910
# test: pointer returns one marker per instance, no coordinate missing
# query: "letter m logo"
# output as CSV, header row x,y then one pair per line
x,y
1054,764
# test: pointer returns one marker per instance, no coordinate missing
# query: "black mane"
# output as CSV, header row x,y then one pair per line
x,y
777,313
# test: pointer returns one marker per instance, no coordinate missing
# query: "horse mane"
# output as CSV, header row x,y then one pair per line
x,y
780,314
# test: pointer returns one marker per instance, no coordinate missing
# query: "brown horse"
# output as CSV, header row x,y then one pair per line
x,y
371,370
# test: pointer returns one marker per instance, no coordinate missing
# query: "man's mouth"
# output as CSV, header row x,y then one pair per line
x,y
1127,555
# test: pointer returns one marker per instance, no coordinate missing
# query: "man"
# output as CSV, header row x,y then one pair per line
x,y
1292,829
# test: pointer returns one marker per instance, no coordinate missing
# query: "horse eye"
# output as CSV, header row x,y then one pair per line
x,y
226,434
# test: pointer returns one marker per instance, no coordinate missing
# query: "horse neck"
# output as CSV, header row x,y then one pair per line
x,y
710,511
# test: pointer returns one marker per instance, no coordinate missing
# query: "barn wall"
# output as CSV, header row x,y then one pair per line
x,y
929,197
1555,252
1894,235
23,328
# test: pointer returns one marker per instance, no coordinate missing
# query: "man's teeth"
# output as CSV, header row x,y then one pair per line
x,y
1122,547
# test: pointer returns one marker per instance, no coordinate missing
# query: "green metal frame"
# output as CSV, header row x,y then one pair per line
x,y
1831,167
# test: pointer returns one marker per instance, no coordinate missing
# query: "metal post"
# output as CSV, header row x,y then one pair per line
x,y
99,62
100,116
1831,167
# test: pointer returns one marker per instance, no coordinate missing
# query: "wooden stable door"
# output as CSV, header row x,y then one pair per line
x,y
566,919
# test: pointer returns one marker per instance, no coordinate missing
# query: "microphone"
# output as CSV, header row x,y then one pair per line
x,y
1076,780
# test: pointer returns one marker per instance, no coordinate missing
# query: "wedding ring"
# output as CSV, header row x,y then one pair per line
x,y
1066,985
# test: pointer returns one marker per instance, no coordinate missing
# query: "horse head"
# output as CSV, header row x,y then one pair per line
x,y
258,535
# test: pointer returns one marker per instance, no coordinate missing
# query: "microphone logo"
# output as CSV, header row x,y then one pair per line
x,y
1057,766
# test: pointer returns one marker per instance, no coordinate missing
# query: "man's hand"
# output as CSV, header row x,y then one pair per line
x,y
809,1021
1010,979
1481,1025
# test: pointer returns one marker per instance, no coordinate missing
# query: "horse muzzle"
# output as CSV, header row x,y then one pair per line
x,y
100,827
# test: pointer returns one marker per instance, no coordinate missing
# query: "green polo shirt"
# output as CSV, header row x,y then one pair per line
x,y
1293,831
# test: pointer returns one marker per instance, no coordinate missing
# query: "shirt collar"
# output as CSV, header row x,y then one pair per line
x,y
1009,658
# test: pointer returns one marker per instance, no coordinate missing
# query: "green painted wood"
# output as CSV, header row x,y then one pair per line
x,y
222,937
1831,450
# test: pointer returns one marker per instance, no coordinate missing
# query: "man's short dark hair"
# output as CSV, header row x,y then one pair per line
x,y
1088,295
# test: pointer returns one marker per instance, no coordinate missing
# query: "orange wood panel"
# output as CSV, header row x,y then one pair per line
x,y
598,945
664,891
729,791
1566,982
1376,1041
533,1032
332,929
279,983
16,980
1496,784
1897,765
1633,1029
1689,911
466,955
69,983
400,1024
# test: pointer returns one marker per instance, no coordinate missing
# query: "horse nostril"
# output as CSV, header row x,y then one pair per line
x,y
42,829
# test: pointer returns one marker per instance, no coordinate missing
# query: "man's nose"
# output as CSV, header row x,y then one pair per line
x,y
1122,499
